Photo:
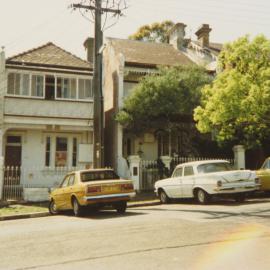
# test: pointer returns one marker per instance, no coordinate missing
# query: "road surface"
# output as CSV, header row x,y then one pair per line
x,y
183,235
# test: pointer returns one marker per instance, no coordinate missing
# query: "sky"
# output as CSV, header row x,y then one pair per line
x,y
26,24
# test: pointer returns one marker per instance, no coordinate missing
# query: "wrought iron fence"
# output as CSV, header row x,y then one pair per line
x,y
151,171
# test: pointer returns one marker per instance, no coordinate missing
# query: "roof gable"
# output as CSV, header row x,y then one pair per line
x,y
49,55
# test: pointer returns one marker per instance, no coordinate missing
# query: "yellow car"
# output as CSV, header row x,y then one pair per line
x,y
94,187
264,175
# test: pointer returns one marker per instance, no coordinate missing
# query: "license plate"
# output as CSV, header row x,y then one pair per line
x,y
111,189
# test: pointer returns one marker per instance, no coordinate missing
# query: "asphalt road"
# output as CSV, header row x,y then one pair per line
x,y
183,235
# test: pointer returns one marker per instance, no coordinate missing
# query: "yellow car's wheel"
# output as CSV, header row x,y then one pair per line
x,y
77,208
52,208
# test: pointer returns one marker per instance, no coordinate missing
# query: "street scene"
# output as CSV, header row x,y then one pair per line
x,y
134,134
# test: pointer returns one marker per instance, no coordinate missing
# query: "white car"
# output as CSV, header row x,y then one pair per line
x,y
204,179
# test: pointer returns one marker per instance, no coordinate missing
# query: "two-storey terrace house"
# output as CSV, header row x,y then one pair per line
x,y
46,115
125,63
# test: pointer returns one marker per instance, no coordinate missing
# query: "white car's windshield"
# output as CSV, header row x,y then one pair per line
x,y
214,167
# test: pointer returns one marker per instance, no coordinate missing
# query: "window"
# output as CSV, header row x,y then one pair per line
x,y
37,86
85,89
18,84
65,182
48,151
214,167
71,180
14,139
74,152
188,171
98,175
163,144
66,88
178,172
61,152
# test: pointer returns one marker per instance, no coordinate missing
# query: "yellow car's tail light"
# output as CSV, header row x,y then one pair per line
x,y
126,187
93,189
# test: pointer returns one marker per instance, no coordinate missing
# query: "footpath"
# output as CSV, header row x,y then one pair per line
x,y
13,211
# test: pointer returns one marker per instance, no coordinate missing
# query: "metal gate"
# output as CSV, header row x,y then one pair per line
x,y
151,171
12,188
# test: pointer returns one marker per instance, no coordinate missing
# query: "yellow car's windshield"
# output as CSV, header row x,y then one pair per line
x,y
98,175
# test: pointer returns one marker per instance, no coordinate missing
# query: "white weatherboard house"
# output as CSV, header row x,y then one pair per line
x,y
125,63
46,119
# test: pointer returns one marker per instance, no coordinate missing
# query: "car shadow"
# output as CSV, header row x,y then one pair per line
x,y
104,214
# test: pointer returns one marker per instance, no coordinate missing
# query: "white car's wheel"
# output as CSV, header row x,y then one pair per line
x,y
163,197
201,196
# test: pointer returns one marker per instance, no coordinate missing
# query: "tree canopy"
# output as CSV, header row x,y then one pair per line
x,y
161,99
155,32
236,105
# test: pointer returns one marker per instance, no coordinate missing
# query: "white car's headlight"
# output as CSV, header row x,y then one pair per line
x,y
219,183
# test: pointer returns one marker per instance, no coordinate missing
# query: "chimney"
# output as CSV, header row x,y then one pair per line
x,y
203,35
176,35
2,59
89,46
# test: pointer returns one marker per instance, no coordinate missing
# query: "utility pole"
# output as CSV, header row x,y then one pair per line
x,y
97,79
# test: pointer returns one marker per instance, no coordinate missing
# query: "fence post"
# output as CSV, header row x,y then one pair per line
x,y
239,157
167,162
134,167
1,176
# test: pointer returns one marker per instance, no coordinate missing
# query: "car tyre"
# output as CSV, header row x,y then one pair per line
x,y
121,207
77,208
202,196
52,208
163,197
240,198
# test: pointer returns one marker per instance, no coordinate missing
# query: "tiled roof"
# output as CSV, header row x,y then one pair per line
x,y
49,55
149,53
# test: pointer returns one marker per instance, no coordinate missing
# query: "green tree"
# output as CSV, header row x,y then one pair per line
x,y
155,32
164,98
236,105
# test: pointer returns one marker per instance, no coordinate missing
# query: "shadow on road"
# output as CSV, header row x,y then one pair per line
x,y
215,214
105,214
223,202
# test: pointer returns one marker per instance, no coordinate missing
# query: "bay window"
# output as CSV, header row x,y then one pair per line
x,y
49,86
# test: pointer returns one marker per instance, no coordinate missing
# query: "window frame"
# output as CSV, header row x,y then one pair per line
x,y
184,171
56,76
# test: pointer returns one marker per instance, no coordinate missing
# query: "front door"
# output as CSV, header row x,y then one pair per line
x,y
13,160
